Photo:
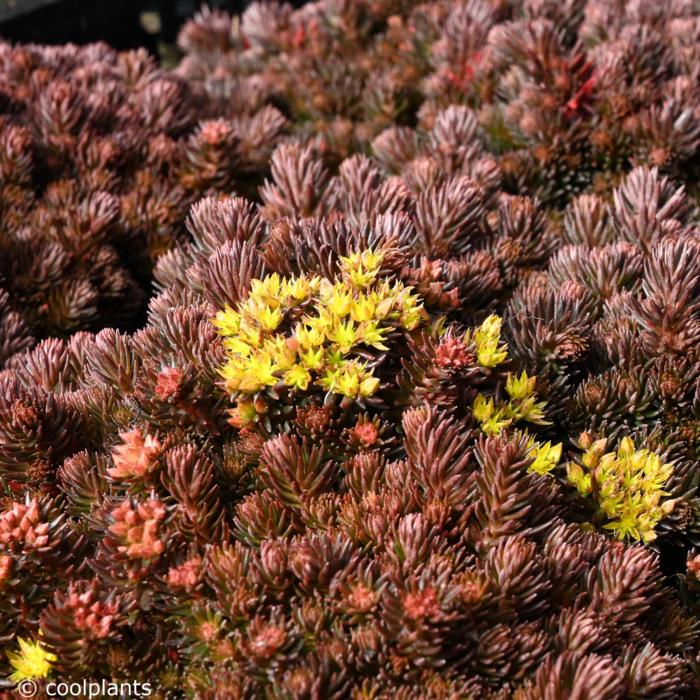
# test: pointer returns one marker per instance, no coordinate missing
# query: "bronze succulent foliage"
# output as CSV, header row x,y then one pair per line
x,y
358,356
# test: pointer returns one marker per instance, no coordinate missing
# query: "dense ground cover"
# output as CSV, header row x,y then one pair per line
x,y
358,356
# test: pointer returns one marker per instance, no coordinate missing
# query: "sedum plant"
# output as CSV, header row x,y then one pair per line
x,y
303,330
101,155
628,486
444,259
29,661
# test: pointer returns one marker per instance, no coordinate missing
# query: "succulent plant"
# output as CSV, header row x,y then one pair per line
x,y
413,407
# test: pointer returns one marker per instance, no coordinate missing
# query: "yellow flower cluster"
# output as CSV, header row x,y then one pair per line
x,y
309,330
31,661
490,352
522,405
627,485
545,456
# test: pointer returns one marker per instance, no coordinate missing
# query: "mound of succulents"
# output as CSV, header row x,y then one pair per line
x,y
101,155
358,356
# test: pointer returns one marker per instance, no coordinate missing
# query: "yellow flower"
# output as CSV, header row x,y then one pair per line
x,y
626,526
339,302
263,348
329,380
281,351
385,303
546,457
233,372
483,408
268,289
298,288
592,455
227,321
298,377
373,335
268,318
529,410
259,373
411,318
627,485
521,387
243,414
360,278
405,298
369,386
580,479
238,346
312,359
494,425
335,358
362,308
361,269
492,421
31,661
347,380
344,335
309,337
412,311
322,323
250,334
350,379
487,338
626,447
367,259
